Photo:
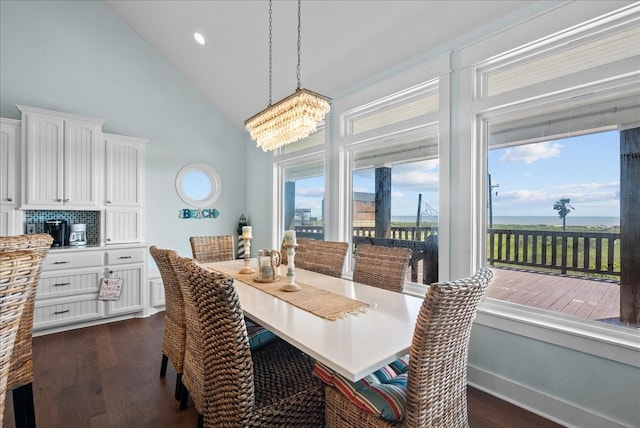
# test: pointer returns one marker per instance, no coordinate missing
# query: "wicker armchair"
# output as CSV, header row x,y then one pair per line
x,y
272,386
173,342
21,372
436,388
19,272
206,249
326,257
383,267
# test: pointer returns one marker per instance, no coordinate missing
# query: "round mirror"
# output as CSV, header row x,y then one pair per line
x,y
198,185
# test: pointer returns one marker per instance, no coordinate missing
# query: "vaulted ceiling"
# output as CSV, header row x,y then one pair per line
x,y
344,42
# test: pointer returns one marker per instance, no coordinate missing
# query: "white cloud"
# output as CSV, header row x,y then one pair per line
x,y
315,192
614,185
530,153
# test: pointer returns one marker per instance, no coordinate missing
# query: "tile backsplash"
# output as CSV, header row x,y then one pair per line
x,y
90,218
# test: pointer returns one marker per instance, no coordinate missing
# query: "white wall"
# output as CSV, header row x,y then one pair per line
x,y
79,57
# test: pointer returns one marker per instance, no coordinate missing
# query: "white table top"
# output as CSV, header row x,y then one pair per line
x,y
353,346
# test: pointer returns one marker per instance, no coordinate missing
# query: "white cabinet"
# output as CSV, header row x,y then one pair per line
x,y
62,160
124,188
68,289
9,166
128,265
67,294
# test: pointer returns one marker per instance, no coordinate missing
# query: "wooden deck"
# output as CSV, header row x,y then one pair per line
x,y
582,297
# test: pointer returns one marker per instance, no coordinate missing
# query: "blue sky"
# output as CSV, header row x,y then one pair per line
x,y
531,178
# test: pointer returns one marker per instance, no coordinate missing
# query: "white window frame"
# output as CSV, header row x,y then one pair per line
x,y
399,88
591,86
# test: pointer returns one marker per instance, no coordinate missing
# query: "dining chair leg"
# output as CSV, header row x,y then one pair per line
x,y
184,397
179,386
23,407
163,366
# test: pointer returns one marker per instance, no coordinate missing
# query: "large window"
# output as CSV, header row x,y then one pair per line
x,y
395,199
554,225
554,183
390,152
303,189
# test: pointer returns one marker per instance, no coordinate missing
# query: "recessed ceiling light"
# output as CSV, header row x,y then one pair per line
x,y
199,38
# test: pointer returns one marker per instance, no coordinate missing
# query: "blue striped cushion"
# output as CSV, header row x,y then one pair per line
x,y
382,393
258,335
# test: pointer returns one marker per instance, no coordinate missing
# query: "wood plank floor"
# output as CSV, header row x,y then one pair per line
x,y
582,297
108,376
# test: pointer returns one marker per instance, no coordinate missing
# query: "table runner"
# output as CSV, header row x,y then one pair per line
x,y
320,302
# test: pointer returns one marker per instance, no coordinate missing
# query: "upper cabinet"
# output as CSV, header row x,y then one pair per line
x,y
9,137
124,158
124,189
62,160
9,167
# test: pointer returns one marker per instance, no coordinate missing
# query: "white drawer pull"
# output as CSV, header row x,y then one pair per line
x,y
61,284
61,263
61,312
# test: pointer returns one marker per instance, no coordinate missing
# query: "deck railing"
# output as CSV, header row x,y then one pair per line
x,y
422,241
590,252
596,253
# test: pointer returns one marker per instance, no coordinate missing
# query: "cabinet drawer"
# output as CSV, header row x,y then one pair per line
x,y
71,260
77,281
54,312
119,257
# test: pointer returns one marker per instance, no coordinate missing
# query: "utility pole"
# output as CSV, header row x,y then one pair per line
x,y
491,200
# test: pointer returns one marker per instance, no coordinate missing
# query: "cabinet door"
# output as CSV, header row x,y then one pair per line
x,y
44,150
131,293
82,160
9,135
124,160
123,225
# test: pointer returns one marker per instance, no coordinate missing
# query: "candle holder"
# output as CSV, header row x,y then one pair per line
x,y
247,256
291,269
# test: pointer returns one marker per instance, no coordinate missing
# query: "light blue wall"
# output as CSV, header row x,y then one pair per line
x,y
79,57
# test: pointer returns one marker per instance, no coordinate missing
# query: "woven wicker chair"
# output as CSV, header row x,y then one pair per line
x,y
270,387
19,272
383,267
174,339
193,363
437,375
326,257
21,373
207,249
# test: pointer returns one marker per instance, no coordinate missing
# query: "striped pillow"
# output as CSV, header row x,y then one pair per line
x,y
382,393
258,335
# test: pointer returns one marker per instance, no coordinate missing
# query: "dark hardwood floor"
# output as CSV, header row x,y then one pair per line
x,y
108,376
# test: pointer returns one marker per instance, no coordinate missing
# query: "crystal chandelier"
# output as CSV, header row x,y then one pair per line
x,y
292,118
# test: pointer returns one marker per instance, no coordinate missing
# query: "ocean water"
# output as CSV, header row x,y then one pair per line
x,y
534,220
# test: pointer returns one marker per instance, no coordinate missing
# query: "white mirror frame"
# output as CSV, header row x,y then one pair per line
x,y
214,181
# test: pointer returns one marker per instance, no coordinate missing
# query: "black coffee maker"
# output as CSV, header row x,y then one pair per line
x,y
58,230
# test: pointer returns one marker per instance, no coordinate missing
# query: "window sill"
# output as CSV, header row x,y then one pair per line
x,y
620,344
616,343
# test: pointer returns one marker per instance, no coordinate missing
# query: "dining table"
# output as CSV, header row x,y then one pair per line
x,y
377,330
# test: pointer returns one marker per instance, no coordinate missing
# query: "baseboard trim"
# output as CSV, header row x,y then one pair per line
x,y
548,407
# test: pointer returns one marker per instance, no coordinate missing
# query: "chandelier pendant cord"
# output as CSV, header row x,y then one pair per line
x,y
294,117
299,41
270,47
